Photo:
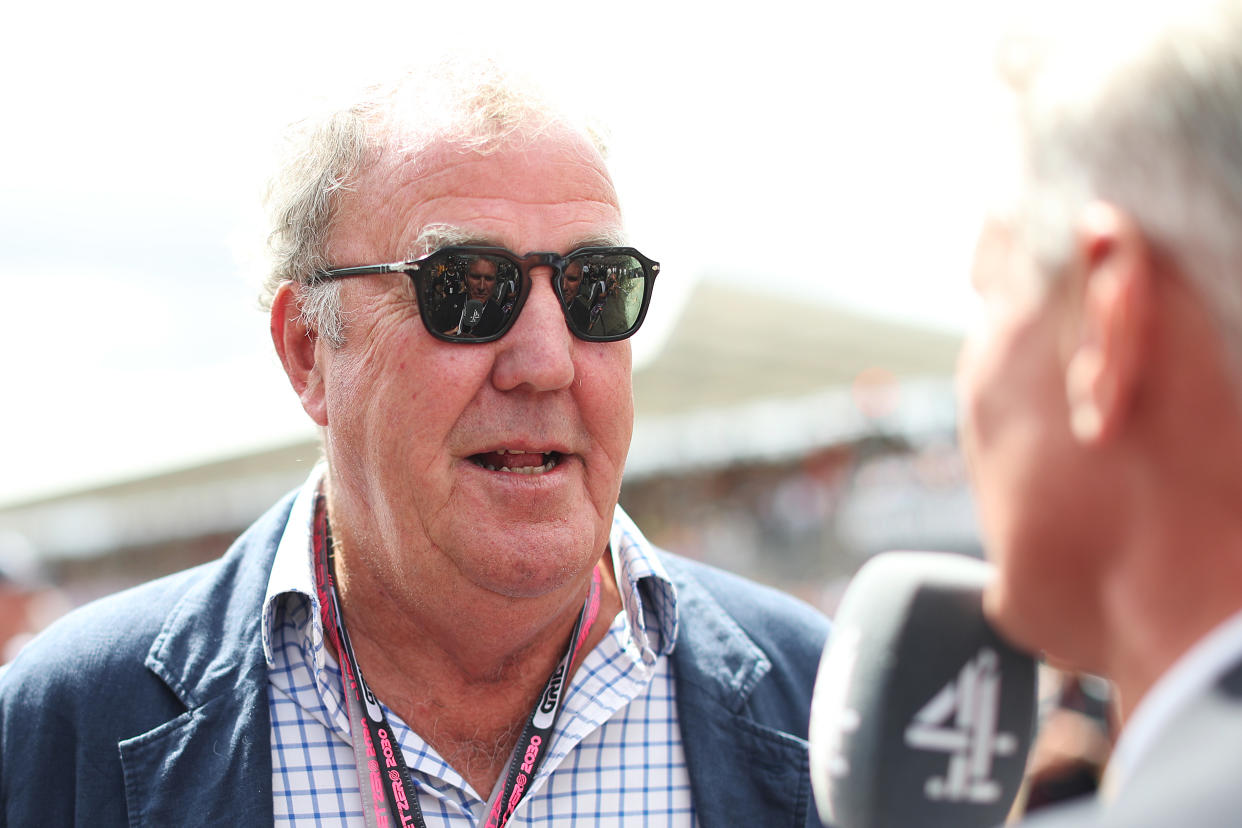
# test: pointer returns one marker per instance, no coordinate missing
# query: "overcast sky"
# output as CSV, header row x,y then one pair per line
x,y
826,151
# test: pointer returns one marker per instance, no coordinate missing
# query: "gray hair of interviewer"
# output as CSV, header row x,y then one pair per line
x,y
1138,105
474,105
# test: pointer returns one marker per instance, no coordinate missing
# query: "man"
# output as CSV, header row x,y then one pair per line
x,y
576,304
532,658
474,310
599,296
27,599
1101,400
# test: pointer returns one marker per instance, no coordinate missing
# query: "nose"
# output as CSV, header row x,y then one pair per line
x,y
537,352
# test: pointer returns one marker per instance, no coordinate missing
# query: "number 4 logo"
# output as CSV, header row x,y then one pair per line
x,y
961,721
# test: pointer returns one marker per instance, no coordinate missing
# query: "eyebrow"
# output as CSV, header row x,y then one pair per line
x,y
609,238
438,236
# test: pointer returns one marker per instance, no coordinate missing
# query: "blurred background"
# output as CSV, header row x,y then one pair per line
x,y
810,176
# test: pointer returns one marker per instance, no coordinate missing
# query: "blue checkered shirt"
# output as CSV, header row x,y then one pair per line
x,y
616,756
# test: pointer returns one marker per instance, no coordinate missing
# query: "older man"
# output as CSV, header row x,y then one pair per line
x,y
452,622
1102,398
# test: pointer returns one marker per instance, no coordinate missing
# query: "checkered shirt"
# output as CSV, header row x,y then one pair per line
x,y
616,756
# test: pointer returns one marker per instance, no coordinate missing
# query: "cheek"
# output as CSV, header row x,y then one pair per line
x,y
605,397
1033,486
1006,407
980,386
398,391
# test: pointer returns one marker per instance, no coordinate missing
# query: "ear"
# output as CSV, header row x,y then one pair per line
x,y
1110,335
297,345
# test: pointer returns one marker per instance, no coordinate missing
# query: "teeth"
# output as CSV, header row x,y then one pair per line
x,y
546,467
529,469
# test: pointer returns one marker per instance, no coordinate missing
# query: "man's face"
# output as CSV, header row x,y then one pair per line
x,y
570,281
1032,482
498,463
481,280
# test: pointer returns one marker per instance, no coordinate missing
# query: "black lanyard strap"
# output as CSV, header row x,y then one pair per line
x,y
390,800
391,790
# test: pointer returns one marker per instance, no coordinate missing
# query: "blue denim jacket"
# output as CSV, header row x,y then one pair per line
x,y
150,707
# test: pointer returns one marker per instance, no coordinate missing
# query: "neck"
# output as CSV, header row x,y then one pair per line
x,y
1158,606
466,681
1179,535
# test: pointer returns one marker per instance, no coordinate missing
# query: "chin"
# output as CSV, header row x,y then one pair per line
x,y
1048,629
528,564
1012,623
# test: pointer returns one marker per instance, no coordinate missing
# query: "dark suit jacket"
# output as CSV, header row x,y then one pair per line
x,y
449,317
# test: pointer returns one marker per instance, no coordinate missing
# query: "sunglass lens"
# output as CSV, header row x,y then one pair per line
x,y
471,296
603,294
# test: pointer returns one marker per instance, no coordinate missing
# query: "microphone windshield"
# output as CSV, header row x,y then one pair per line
x,y
922,715
471,313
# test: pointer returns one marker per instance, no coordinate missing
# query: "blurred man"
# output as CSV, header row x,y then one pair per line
x,y
28,600
527,655
1102,399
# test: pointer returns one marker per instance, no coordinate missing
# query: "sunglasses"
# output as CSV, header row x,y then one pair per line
x,y
474,294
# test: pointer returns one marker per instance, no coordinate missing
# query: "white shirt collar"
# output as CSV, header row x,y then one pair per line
x,y
293,570
636,564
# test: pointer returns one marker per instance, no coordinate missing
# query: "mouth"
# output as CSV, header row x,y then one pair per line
x,y
517,461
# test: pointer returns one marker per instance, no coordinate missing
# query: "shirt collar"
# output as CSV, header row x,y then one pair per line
x,y
293,570
648,596
647,593
1190,676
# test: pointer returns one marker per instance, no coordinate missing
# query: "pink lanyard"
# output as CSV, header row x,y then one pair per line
x,y
392,792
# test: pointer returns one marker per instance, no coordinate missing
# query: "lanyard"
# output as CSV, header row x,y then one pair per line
x,y
390,799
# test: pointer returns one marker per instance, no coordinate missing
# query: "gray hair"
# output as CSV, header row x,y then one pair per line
x,y
471,105
1143,112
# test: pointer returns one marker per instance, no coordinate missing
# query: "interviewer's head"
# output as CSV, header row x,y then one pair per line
x,y
1103,386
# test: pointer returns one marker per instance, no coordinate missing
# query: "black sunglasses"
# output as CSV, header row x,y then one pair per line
x,y
474,294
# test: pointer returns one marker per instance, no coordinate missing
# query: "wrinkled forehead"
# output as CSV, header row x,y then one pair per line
x,y
547,191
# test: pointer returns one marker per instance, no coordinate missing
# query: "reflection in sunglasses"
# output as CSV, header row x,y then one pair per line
x,y
471,294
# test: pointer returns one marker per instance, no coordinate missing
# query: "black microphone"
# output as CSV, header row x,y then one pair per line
x,y
922,715
471,313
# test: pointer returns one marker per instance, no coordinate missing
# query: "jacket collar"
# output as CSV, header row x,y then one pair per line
x,y
210,656
718,669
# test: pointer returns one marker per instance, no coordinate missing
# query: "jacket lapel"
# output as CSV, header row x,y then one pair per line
x,y
212,764
717,669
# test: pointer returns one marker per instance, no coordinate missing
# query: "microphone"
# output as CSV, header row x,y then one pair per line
x,y
471,312
922,715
